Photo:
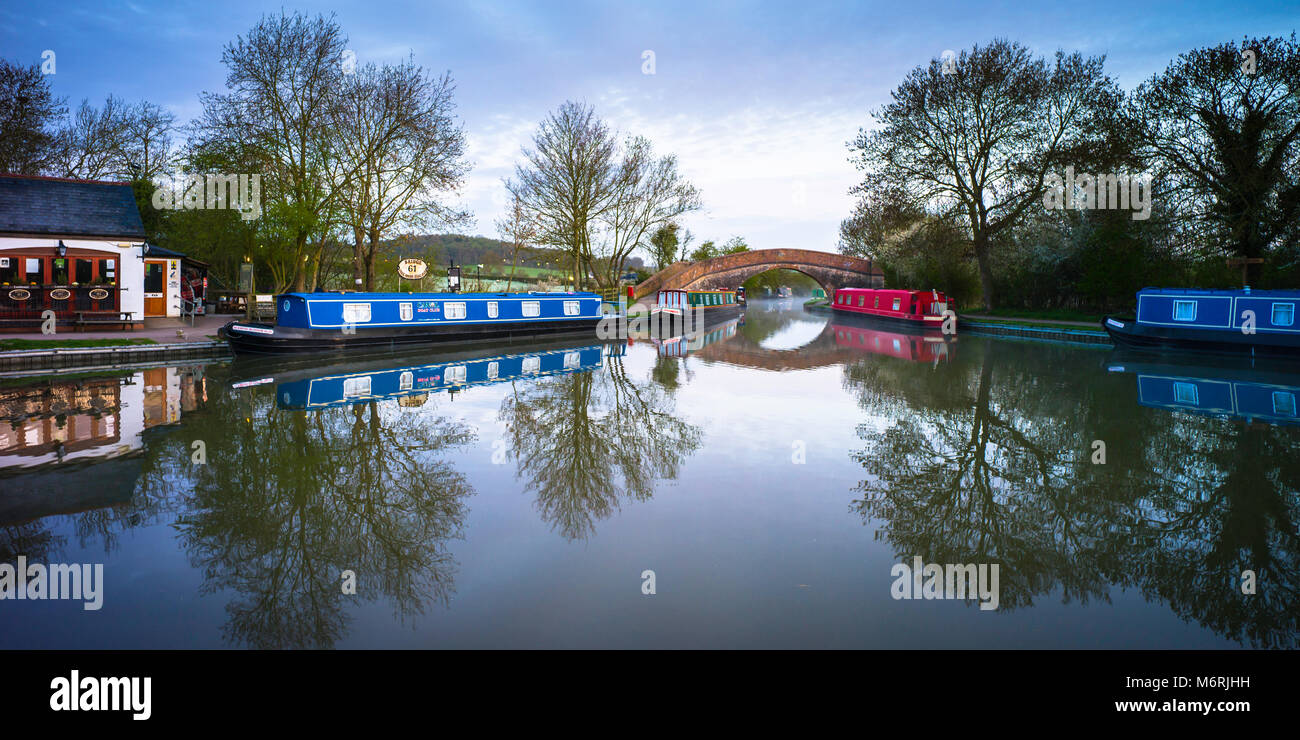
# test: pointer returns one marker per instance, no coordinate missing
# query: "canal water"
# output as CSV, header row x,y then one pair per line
x,y
766,482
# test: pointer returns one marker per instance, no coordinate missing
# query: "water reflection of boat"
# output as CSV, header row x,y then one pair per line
x,y
1255,390
349,383
912,346
684,345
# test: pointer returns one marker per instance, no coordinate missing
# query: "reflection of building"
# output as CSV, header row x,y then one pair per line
x,y
63,421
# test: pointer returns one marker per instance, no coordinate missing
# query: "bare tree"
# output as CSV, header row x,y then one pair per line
x,y
975,140
648,193
147,146
401,147
566,180
283,79
91,145
29,116
519,229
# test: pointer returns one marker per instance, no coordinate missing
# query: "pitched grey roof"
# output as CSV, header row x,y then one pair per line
x,y
49,206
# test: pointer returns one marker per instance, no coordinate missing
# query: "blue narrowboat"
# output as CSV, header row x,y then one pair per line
x,y
1249,321
327,322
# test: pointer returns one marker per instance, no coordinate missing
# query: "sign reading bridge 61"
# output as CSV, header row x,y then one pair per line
x,y
412,269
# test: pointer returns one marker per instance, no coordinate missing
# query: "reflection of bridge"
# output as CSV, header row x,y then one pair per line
x,y
831,271
838,343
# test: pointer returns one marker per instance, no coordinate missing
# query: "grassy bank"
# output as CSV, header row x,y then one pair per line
x,y
11,344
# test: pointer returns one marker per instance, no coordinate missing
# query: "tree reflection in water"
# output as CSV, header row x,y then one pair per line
x,y
584,441
987,460
361,488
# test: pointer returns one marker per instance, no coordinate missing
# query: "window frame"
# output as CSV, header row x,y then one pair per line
x,y
1178,304
1273,313
530,309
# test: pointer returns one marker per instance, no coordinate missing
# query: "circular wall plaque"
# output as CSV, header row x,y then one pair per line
x,y
19,294
98,294
60,294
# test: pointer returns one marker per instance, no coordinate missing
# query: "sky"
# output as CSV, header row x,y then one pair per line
x,y
758,100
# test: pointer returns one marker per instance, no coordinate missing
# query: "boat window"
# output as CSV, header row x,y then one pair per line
x,y
1186,393
1284,403
353,387
877,301
494,309
1283,314
571,308
898,303
571,360
456,374
405,381
406,311
532,364
862,301
532,308
356,313
453,310
1184,310
494,370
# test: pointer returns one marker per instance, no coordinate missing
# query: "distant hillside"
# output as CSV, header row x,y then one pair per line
x,y
439,249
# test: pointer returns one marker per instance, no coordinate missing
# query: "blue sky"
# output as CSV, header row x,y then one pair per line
x,y
757,99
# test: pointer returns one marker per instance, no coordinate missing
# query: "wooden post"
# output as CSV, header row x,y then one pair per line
x,y
1245,263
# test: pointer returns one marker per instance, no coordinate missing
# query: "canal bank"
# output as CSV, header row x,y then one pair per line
x,y
1074,332
158,345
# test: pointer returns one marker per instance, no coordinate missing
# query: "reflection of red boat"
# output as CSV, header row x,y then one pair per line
x,y
913,308
927,347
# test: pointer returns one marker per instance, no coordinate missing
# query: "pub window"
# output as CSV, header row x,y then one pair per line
x,y
532,308
61,271
1283,314
494,309
32,266
454,310
8,270
1184,310
81,274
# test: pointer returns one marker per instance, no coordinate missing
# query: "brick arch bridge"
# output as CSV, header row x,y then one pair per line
x,y
831,271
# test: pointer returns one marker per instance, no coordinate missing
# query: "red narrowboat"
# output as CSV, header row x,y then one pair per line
x,y
919,309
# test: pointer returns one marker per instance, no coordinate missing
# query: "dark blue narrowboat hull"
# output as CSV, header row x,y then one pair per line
x,y
268,339
1126,332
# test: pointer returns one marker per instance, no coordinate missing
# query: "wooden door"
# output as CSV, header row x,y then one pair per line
x,y
155,287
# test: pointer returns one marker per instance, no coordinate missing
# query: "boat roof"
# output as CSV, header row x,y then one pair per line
x,y
909,291
352,295
1213,292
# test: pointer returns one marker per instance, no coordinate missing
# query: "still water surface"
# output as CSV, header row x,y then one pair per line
x,y
770,473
